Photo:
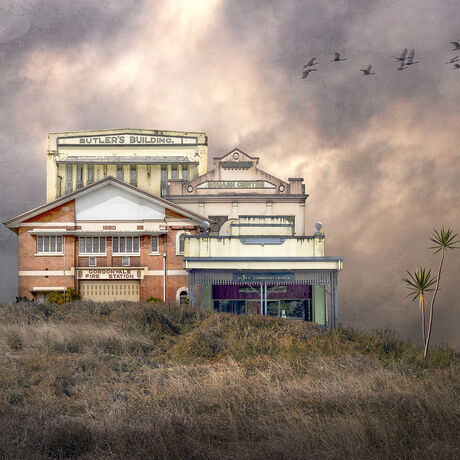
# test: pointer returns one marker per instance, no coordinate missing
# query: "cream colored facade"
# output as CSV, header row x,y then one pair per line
x,y
263,251
145,158
237,187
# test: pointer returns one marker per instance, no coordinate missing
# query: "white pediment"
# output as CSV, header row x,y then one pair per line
x,y
114,203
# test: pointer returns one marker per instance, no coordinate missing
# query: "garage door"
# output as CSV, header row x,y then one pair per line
x,y
99,291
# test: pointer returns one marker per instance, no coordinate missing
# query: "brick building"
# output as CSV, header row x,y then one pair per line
x,y
109,241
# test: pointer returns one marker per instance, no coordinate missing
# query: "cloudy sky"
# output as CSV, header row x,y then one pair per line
x,y
379,154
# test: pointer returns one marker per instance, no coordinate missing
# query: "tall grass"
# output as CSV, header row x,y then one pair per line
x,y
122,380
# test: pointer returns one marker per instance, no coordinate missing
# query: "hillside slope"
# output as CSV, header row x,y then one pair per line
x,y
151,381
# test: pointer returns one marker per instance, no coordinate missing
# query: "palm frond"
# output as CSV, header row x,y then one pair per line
x,y
419,282
444,239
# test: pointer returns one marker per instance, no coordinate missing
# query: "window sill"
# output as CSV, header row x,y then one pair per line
x,y
49,254
126,254
154,254
92,255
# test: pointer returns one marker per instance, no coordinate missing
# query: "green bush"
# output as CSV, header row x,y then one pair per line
x,y
59,298
152,299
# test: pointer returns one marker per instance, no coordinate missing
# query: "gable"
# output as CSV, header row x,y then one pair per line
x,y
113,203
63,213
170,213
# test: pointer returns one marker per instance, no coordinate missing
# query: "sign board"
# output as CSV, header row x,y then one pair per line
x,y
232,184
127,139
268,277
110,273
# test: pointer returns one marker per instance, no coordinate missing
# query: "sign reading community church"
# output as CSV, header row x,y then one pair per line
x,y
127,139
111,274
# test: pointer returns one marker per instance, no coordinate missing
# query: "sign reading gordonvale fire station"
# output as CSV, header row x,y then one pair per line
x,y
110,273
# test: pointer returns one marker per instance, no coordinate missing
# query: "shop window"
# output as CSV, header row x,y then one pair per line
x,y
125,245
91,245
49,244
154,244
174,174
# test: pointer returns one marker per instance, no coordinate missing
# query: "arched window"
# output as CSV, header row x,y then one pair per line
x,y
180,236
182,296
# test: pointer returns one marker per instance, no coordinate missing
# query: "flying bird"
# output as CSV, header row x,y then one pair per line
x,y
337,58
403,56
457,45
307,71
451,61
402,66
410,58
368,70
310,63
456,66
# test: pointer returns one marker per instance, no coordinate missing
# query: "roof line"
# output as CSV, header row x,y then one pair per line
x,y
69,197
239,150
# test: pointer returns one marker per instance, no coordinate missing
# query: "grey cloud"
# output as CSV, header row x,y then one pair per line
x,y
379,155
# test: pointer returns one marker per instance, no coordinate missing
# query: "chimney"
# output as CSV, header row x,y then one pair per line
x,y
296,185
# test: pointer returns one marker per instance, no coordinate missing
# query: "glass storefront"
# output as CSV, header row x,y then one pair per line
x,y
285,301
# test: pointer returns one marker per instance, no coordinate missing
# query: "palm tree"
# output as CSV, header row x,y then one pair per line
x,y
443,241
419,283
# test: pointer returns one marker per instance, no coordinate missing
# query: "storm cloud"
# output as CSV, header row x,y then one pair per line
x,y
379,154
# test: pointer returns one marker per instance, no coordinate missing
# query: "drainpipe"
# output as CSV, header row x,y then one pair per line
x,y
164,277
63,245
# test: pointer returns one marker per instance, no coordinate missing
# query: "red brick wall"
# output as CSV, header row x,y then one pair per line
x,y
28,261
151,285
62,213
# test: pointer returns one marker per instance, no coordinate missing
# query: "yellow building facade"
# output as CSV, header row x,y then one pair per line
x,y
145,158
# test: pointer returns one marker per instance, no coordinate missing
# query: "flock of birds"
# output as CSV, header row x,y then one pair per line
x,y
405,60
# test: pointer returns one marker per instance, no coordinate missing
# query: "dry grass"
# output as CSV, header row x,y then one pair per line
x,y
143,381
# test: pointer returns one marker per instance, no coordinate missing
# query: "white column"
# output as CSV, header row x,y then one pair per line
x,y
302,219
235,210
269,208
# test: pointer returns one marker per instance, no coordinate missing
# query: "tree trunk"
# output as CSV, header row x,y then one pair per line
x,y
427,343
422,307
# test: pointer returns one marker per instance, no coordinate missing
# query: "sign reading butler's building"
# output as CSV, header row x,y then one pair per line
x,y
110,273
127,139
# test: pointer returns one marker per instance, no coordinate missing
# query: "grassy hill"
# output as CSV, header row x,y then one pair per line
x,y
150,381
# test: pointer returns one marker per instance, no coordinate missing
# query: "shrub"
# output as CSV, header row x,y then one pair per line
x,y
59,298
152,299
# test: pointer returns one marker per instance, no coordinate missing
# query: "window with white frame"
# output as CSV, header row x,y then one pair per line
x,y
154,248
125,245
49,244
91,245
180,242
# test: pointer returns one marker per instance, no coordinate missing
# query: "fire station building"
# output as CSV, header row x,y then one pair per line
x,y
109,241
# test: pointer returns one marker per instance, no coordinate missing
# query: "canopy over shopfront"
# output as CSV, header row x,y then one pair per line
x,y
263,260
